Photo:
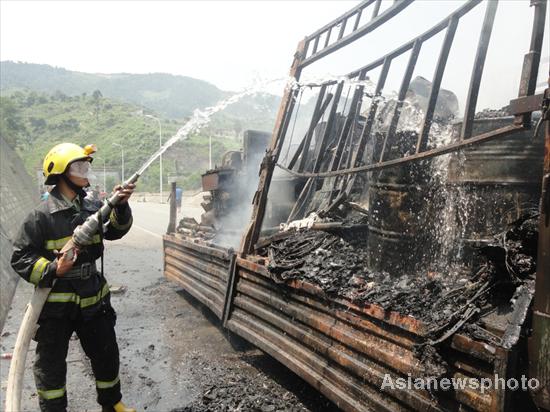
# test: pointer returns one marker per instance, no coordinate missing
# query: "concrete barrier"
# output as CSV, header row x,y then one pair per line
x,y
18,195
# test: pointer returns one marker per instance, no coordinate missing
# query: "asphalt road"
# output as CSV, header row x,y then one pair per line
x,y
174,355
153,218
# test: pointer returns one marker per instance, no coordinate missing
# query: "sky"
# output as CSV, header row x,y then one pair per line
x,y
226,43
232,43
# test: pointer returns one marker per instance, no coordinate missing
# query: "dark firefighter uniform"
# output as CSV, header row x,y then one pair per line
x,y
79,301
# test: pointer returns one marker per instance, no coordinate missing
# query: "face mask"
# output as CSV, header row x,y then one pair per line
x,y
80,169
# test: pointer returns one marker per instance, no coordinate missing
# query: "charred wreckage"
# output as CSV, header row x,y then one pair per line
x,y
396,237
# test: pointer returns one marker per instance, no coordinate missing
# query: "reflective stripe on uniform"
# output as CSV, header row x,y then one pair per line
x,y
106,385
57,297
53,244
116,225
52,394
63,297
56,243
38,270
85,302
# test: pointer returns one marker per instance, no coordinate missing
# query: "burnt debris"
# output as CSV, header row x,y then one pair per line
x,y
444,301
264,386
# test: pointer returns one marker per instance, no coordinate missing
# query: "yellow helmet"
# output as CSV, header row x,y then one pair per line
x,y
61,156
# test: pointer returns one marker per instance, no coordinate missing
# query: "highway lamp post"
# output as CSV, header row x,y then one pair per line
x,y
122,152
104,180
160,147
210,152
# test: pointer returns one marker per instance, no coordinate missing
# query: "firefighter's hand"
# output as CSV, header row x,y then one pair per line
x,y
125,193
66,258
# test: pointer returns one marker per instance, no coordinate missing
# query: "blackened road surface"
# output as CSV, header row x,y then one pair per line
x,y
173,354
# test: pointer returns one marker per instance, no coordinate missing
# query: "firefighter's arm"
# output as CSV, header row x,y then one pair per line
x,y
28,249
120,219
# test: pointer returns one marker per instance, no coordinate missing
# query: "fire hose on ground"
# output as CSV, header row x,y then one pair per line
x,y
82,236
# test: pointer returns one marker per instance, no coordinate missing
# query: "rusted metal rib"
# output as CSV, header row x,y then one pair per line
x,y
539,344
312,367
252,232
209,281
303,149
357,19
278,314
217,271
376,9
201,269
443,24
327,38
350,119
198,247
332,351
393,318
477,70
376,22
405,83
211,301
436,84
357,9
387,353
342,28
485,137
531,60
329,126
344,314
366,133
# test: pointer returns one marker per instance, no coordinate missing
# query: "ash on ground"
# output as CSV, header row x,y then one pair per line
x,y
227,387
339,267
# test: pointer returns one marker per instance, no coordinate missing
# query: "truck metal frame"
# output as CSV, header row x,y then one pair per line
x,y
341,349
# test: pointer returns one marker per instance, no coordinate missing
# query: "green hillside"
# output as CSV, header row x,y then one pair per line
x,y
33,122
174,97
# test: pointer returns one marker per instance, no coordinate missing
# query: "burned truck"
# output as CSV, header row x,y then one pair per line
x,y
228,189
404,262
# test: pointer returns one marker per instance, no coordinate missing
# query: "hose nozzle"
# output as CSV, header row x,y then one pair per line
x,y
83,234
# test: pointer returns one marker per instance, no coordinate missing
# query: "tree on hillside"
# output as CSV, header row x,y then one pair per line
x,y
96,95
37,123
96,98
237,127
11,124
31,99
60,96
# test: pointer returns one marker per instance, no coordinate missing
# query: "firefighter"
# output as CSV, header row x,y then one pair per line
x,y
79,300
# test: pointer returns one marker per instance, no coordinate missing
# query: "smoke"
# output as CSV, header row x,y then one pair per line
x,y
240,194
231,226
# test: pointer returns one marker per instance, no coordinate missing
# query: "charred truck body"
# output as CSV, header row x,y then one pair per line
x,y
228,189
395,237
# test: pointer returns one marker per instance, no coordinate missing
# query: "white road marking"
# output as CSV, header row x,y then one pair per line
x,y
147,231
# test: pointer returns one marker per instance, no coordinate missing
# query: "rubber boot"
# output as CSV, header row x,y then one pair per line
x,y
119,407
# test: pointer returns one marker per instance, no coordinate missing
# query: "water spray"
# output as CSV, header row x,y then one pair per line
x,y
83,236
